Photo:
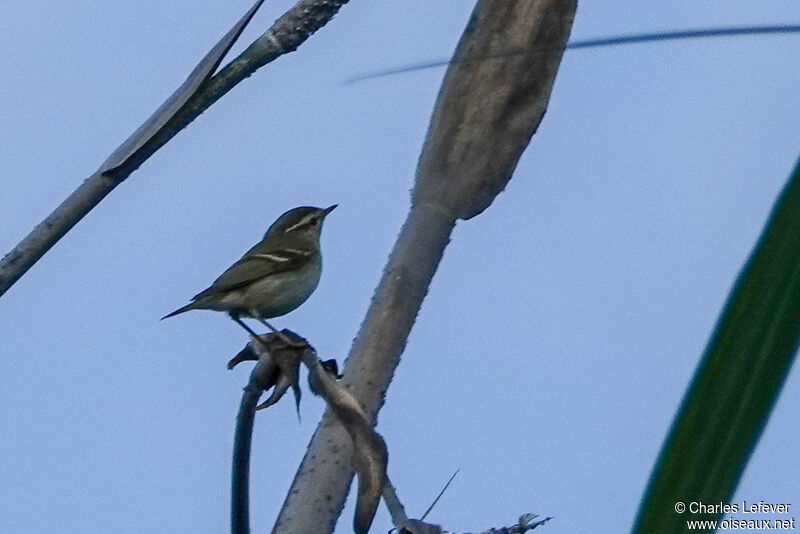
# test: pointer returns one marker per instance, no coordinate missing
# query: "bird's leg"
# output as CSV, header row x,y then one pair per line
x,y
283,337
249,330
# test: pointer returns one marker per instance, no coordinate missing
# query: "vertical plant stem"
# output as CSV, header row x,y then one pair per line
x,y
394,308
484,118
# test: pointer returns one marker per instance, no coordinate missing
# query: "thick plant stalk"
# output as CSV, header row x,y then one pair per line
x,y
484,118
288,32
326,469
737,382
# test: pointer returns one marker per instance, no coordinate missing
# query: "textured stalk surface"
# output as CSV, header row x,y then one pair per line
x,y
484,118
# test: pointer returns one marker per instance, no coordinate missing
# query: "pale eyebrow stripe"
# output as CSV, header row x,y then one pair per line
x,y
304,221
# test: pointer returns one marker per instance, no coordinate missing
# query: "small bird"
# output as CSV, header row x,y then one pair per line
x,y
274,277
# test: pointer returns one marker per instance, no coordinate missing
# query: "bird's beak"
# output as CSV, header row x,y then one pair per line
x,y
329,209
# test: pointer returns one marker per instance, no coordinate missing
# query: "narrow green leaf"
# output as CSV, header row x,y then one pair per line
x,y
737,382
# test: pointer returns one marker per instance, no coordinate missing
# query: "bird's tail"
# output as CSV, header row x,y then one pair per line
x,y
191,306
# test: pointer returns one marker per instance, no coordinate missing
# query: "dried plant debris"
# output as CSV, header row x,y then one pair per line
x,y
331,368
280,366
370,454
416,526
525,523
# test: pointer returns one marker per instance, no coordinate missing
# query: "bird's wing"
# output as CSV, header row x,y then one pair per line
x,y
256,265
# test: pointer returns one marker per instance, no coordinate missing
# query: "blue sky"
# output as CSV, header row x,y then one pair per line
x,y
559,333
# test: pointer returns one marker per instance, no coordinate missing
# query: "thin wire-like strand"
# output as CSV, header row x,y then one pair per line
x,y
438,496
601,42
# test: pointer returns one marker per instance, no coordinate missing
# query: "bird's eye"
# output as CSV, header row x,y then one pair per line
x,y
314,221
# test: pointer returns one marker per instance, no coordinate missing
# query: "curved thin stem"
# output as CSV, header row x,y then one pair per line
x,y
240,476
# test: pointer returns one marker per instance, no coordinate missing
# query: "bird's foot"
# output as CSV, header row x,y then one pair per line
x,y
296,343
291,343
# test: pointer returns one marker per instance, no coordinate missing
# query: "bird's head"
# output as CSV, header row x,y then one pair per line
x,y
302,224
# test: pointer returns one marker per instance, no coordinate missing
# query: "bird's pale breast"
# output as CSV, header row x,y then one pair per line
x,y
282,292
